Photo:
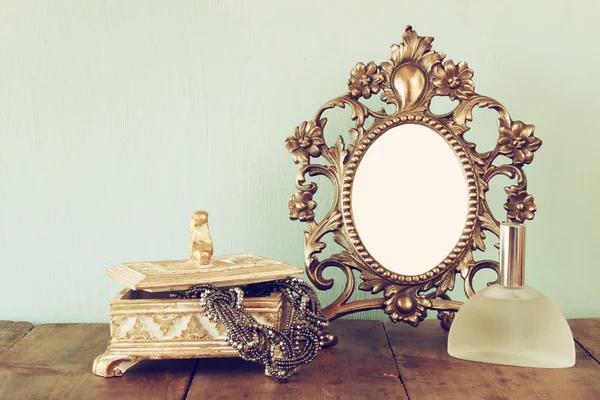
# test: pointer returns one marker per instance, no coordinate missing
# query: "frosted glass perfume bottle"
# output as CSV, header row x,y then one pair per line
x,y
510,323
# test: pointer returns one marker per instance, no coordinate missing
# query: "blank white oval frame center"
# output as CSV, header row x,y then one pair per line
x,y
410,199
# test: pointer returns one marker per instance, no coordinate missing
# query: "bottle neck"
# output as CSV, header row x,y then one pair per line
x,y
512,254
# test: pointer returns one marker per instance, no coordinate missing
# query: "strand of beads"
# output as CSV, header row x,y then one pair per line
x,y
281,351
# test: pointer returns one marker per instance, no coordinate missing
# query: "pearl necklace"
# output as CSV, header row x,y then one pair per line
x,y
280,351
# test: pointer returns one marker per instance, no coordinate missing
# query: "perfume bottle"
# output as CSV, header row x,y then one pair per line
x,y
510,323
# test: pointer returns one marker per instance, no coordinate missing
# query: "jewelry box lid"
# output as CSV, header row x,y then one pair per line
x,y
231,270
201,267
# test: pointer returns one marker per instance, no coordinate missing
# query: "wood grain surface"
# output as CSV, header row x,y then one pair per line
x,y
11,332
428,372
55,362
360,366
586,332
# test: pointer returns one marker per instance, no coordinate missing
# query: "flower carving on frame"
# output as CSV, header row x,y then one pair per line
x,y
519,205
518,143
306,141
302,204
365,80
453,80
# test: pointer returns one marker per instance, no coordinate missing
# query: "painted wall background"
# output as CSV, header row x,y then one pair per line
x,y
118,119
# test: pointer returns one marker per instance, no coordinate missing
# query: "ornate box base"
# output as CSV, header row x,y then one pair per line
x,y
147,326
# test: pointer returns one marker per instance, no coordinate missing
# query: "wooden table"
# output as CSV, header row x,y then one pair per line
x,y
373,360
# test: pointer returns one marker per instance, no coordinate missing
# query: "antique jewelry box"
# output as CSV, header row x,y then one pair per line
x,y
147,323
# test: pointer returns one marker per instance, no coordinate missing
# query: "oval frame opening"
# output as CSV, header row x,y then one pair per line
x,y
350,226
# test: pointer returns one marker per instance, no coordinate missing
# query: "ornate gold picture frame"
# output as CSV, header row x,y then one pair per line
x,y
409,80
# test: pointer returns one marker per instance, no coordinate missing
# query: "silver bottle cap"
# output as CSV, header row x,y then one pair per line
x,y
512,254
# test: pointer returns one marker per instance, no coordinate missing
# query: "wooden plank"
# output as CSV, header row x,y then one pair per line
x,y
55,362
361,365
586,332
429,372
11,332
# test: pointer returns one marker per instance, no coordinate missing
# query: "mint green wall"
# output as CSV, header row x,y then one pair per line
x,y
118,119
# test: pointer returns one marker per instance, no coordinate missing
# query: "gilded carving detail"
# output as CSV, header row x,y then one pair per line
x,y
115,327
519,205
306,141
302,204
138,331
161,326
365,80
164,322
413,75
453,80
518,143
270,318
221,328
193,330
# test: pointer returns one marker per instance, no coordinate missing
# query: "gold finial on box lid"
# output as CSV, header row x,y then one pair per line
x,y
201,247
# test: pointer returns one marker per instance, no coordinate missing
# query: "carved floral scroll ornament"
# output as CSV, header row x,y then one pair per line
x,y
408,80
